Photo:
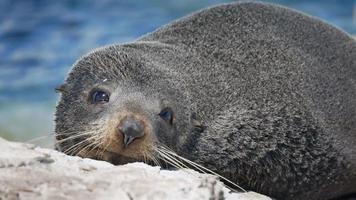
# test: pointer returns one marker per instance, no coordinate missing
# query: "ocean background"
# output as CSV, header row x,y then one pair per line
x,y
40,40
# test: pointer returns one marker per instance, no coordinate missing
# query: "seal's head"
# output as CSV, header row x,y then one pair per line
x,y
117,106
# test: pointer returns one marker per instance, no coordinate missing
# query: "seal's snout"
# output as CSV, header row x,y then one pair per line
x,y
131,129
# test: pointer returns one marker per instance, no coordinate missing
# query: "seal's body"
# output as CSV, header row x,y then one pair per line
x,y
261,94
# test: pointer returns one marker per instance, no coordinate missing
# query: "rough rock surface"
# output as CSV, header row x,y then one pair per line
x,y
30,172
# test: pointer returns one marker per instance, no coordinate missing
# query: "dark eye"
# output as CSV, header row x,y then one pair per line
x,y
99,97
167,115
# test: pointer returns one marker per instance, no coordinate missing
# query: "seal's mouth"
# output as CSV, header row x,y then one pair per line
x,y
126,137
114,157
119,159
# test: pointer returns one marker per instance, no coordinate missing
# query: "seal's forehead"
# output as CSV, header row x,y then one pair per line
x,y
105,61
102,65
113,67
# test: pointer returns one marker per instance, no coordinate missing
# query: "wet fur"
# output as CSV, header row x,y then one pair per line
x,y
274,88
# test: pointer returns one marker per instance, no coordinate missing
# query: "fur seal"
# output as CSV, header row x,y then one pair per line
x,y
261,94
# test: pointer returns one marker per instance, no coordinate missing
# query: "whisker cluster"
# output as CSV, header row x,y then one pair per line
x,y
82,142
179,162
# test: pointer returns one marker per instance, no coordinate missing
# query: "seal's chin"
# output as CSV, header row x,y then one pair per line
x,y
118,159
113,157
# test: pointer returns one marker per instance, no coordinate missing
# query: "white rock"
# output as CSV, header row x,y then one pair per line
x,y
29,172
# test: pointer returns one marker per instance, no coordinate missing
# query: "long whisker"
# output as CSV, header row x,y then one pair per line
x,y
172,159
178,166
42,137
101,153
98,141
199,167
163,157
73,130
73,137
77,145
85,148
155,160
202,171
94,144
150,157
169,161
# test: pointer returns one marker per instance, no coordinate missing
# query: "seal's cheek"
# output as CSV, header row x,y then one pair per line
x,y
128,135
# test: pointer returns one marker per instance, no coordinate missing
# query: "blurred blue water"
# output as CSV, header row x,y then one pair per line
x,y
39,41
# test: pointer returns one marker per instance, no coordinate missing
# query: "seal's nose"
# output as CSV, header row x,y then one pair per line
x,y
131,129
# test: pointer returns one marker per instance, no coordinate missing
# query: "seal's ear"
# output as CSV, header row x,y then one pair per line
x,y
61,88
196,123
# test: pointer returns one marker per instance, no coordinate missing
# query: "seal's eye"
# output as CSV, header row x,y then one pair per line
x,y
167,115
99,97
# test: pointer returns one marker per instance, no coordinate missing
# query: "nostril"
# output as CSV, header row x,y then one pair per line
x,y
131,129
